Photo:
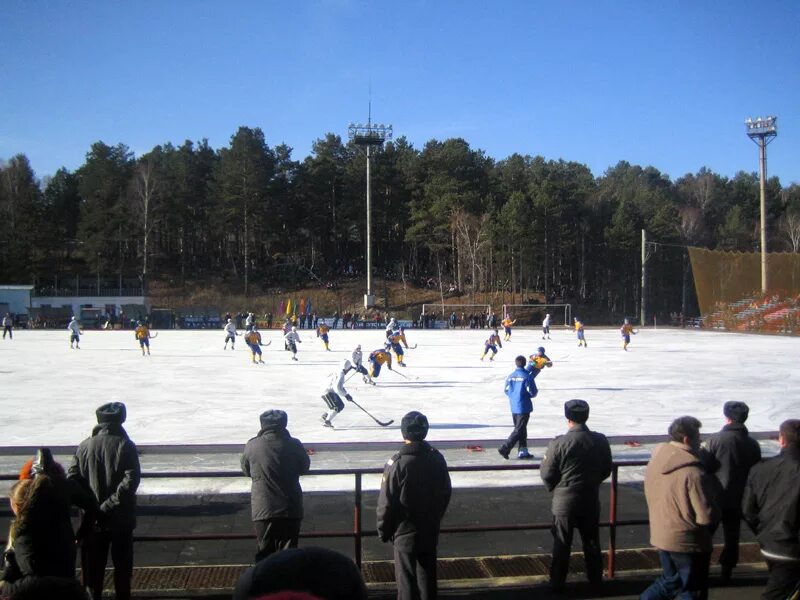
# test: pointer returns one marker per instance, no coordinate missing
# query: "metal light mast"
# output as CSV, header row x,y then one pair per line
x,y
762,132
369,135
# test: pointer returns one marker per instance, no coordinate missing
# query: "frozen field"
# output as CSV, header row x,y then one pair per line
x,y
190,391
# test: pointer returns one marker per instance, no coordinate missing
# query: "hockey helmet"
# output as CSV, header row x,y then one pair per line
x,y
627,322
294,328
229,320
138,323
540,349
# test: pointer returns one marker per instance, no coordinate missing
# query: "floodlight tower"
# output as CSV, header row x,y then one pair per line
x,y
369,135
762,132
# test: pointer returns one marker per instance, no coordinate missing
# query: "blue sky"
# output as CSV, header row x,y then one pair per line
x,y
666,84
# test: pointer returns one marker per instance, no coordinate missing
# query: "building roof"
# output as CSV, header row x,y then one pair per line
x,y
16,287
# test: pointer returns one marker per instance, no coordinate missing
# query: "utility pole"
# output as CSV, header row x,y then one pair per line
x,y
369,135
762,132
642,303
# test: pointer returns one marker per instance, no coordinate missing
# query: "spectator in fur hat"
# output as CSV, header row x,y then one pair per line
x,y
415,492
108,463
274,460
733,453
574,466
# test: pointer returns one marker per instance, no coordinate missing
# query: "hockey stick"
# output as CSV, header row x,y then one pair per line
x,y
267,344
414,347
153,334
381,423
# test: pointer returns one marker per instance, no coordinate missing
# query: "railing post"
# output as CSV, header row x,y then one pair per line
x,y
357,521
612,521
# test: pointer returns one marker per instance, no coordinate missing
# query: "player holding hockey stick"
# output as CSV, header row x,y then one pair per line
x,y
142,333
625,331
253,340
537,362
356,358
292,339
322,333
230,331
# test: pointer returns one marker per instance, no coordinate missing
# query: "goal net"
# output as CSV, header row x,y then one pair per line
x,y
532,315
464,313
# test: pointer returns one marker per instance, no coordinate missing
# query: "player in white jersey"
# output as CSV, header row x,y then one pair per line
x,y
292,339
75,334
230,334
357,360
546,326
333,393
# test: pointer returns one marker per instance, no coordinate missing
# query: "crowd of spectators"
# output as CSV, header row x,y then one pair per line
x,y
690,488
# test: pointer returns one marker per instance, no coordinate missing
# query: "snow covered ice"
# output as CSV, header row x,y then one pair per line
x,y
191,391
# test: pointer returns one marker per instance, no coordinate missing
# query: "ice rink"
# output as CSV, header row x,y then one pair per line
x,y
191,391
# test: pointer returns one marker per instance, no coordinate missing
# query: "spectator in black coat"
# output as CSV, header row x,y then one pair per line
x,y
274,460
771,507
573,468
415,492
732,454
108,463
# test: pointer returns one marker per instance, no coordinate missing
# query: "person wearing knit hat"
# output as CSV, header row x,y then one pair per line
x,y
733,453
108,463
415,492
274,460
574,466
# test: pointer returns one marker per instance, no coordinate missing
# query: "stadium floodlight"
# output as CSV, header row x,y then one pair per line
x,y
369,135
762,132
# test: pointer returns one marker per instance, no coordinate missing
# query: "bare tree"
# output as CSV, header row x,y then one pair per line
x,y
146,189
472,234
790,227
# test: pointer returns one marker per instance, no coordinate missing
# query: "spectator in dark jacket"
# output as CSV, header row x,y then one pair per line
x,y
108,463
573,468
415,492
41,540
771,507
275,461
733,453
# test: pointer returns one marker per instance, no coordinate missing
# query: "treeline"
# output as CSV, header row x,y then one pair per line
x,y
254,216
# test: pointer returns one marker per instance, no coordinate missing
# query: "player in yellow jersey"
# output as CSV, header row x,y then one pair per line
x,y
579,333
491,344
507,323
142,333
378,358
253,340
538,361
625,331
322,333
395,341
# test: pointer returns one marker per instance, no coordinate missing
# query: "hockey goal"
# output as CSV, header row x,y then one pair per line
x,y
442,312
532,315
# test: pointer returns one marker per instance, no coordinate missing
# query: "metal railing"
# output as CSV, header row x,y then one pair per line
x,y
358,532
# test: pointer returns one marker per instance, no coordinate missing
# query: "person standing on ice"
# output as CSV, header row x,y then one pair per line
x,y
357,360
491,344
230,331
391,326
546,326
292,339
142,334
579,333
8,322
248,322
520,389
625,331
75,333
322,333
333,393
253,340
507,323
